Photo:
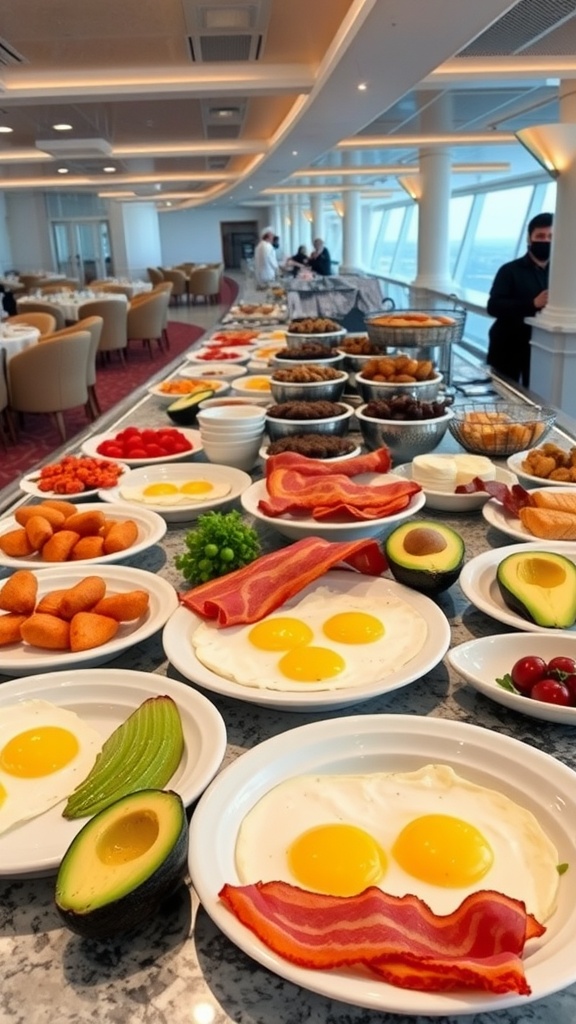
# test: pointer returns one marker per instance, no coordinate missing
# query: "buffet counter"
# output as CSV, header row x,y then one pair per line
x,y
181,968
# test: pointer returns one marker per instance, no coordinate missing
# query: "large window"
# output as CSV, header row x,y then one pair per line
x,y
459,215
497,236
405,262
387,241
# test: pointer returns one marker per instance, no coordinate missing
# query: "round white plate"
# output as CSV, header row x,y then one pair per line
x,y
104,698
481,662
21,659
514,462
369,743
495,514
296,527
177,641
192,436
478,582
29,485
237,356
151,529
224,371
215,385
178,473
444,501
263,453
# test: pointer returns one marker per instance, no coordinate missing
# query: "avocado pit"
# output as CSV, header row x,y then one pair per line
x,y
424,541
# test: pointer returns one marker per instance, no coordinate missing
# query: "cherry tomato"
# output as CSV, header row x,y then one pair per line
x,y
527,671
551,691
570,682
561,664
136,453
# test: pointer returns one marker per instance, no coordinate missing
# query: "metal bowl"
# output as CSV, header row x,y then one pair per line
x,y
329,340
404,438
321,390
383,330
423,390
338,425
332,358
500,429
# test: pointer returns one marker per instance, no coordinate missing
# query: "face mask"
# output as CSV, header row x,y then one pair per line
x,y
540,250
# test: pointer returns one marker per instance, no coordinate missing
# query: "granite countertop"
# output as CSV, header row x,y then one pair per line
x,y
180,969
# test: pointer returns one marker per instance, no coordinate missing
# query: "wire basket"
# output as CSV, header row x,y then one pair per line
x,y
383,331
500,429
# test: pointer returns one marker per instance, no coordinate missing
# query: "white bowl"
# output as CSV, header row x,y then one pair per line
x,y
179,473
448,501
233,355
239,456
218,386
237,416
481,662
231,437
90,447
223,370
247,388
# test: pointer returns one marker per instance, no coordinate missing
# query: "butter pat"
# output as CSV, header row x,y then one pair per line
x,y
446,472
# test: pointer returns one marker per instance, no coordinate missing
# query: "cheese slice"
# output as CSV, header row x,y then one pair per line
x,y
446,472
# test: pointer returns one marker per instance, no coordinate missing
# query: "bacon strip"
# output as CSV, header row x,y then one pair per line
x,y
512,498
259,588
399,938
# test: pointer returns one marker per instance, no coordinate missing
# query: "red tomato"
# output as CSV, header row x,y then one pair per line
x,y
561,664
110,448
570,682
527,671
551,691
136,453
154,451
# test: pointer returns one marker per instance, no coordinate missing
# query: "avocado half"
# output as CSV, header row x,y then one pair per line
x,y
425,555
540,586
123,864
184,410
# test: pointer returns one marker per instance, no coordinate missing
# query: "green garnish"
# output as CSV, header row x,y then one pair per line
x,y
506,683
562,869
220,543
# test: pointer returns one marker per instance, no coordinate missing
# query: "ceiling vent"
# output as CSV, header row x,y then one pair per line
x,y
80,149
224,31
9,55
218,163
515,31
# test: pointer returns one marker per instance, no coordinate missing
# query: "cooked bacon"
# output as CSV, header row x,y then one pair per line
x,y
259,588
399,938
377,461
512,498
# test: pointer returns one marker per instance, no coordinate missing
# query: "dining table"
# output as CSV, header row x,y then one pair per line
x,y
180,966
70,303
15,338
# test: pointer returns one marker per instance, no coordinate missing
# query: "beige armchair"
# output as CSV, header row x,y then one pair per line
x,y
147,319
43,322
114,337
155,275
94,325
33,281
6,424
51,377
116,289
178,278
37,306
204,283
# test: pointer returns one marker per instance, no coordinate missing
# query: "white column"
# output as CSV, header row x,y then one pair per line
x,y
351,225
434,209
298,229
286,232
317,207
276,220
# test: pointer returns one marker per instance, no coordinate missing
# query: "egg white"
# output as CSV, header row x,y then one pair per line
x,y
214,490
525,860
28,797
229,653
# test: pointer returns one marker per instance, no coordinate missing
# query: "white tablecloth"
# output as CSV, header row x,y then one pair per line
x,y
16,339
133,287
71,302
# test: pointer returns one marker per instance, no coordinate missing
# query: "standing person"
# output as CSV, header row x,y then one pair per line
x,y
520,289
320,258
298,260
265,260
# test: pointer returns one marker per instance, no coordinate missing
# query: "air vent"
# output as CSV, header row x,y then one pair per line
x,y
218,163
80,149
520,27
9,55
226,32
222,131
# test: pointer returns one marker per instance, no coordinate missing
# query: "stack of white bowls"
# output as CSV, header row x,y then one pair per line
x,y
232,434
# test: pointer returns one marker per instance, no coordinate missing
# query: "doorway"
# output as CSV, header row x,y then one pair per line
x,y
82,249
239,238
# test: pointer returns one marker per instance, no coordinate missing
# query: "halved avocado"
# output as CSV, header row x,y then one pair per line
x,y
425,555
184,410
540,586
123,864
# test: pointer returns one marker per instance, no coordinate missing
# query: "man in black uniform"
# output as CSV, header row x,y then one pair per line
x,y
320,258
520,289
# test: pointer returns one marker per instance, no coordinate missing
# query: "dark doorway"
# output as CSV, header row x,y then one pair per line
x,y
237,238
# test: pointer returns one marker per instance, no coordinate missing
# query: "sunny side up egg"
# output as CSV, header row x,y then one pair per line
x,y
166,492
45,752
430,833
326,641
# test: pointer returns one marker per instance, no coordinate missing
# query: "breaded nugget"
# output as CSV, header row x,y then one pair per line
x,y
89,630
82,597
59,547
38,531
87,524
48,631
50,603
27,512
10,626
124,607
19,593
67,508
15,543
88,547
120,536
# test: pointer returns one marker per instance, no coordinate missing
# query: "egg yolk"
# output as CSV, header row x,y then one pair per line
x,y
280,634
153,490
443,850
353,628
258,384
339,860
196,487
3,795
37,752
311,664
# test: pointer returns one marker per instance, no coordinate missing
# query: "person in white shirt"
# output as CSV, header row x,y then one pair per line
x,y
265,260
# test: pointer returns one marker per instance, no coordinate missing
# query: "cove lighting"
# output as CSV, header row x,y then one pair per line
x,y
62,127
109,170
5,129
62,170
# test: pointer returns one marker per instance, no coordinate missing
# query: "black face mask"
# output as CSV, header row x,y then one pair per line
x,y
540,250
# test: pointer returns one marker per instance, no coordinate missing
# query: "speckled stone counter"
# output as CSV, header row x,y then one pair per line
x,y
180,969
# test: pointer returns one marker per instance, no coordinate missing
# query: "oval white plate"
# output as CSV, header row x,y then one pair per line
x,y
104,698
151,529
29,485
478,582
481,662
192,436
21,659
239,357
305,526
177,641
368,743
495,514
514,462
223,370
338,458
444,501
177,473
219,386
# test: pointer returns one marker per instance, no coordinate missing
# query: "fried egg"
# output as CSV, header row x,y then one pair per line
x,y
326,641
254,384
45,752
167,492
429,832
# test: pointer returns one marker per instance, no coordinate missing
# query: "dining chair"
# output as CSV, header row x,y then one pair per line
x,y
178,279
204,283
116,289
51,377
94,325
147,319
33,281
6,424
114,337
43,322
155,275
37,306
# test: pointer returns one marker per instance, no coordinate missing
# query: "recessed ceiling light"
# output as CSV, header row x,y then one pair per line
x,y
5,129
62,170
109,170
62,127
224,112
362,86
294,152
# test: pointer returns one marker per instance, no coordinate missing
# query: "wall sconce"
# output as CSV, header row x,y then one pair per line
x,y
552,145
308,215
412,185
338,206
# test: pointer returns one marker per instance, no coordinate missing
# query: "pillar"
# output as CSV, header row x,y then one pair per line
x,y
351,225
433,266
317,207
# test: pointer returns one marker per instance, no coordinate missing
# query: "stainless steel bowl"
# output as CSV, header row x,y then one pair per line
x,y
332,358
322,390
329,339
337,425
423,390
404,438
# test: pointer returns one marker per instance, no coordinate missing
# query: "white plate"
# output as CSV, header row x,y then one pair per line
x,y
178,472
263,453
225,371
21,659
151,529
478,582
29,485
496,514
216,385
177,641
370,743
448,501
199,355
104,698
514,462
305,526
192,436
481,662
